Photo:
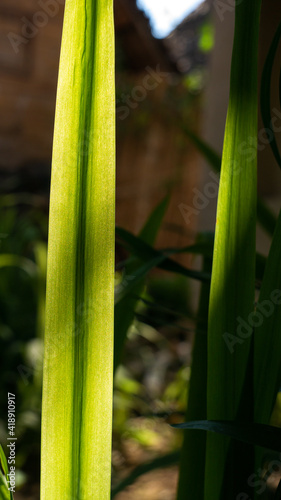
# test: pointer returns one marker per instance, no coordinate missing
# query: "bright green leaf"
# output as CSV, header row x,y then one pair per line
x,y
5,494
125,308
78,359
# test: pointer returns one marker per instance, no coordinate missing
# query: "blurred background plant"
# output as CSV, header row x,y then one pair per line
x,y
150,384
23,255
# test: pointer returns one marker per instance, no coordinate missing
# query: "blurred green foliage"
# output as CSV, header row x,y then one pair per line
x,y
151,384
23,229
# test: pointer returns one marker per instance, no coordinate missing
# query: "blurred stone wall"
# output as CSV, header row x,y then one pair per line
x,y
151,157
30,33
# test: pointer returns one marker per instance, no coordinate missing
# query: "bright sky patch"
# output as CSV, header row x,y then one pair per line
x,y
166,15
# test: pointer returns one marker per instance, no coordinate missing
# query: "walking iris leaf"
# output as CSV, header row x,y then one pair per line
x,y
233,274
78,359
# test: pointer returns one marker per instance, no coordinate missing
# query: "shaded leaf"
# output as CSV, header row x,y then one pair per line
x,y
193,453
125,308
262,435
233,272
143,250
205,248
266,95
267,345
150,229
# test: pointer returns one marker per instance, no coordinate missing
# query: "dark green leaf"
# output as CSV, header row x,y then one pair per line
x,y
160,258
267,346
130,281
125,308
233,272
144,251
150,229
265,217
266,95
262,435
205,248
193,455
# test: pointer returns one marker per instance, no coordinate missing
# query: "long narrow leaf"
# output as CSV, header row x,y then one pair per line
x,y
125,308
5,494
262,435
233,275
204,248
132,285
267,338
150,229
266,111
140,273
78,359
193,454
265,216
141,249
